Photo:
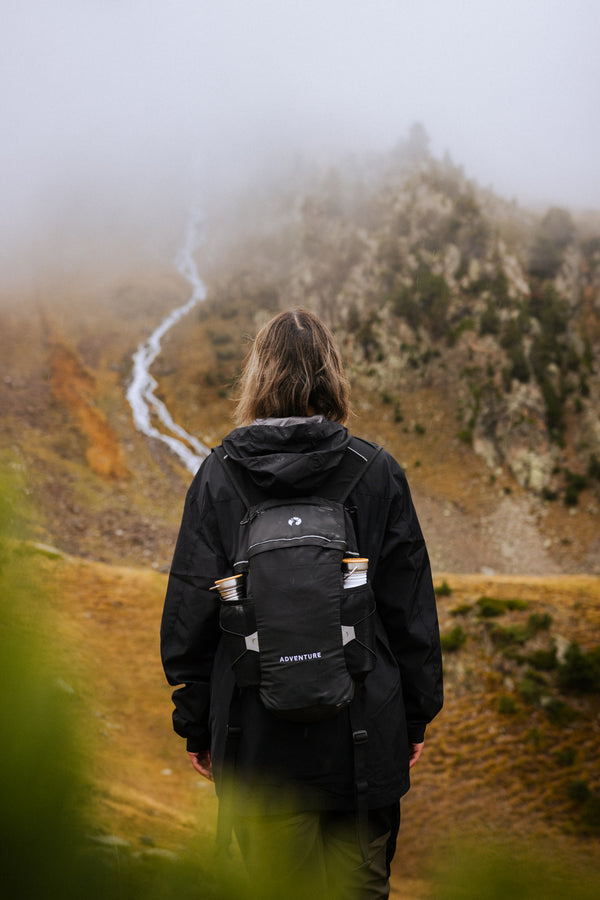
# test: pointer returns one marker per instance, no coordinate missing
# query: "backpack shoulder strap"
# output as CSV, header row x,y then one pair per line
x,y
358,458
243,488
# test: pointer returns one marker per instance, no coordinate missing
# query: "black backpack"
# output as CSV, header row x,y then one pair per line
x,y
294,631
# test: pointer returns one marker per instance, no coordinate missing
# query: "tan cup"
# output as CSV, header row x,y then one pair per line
x,y
229,588
355,571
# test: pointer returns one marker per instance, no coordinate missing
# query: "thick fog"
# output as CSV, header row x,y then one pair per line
x,y
114,112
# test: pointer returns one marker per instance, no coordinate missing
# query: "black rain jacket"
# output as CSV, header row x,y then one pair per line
x,y
401,695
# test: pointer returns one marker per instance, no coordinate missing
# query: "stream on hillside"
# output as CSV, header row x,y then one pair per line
x,y
148,411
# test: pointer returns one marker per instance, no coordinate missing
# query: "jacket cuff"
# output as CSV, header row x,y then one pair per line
x,y
195,745
416,734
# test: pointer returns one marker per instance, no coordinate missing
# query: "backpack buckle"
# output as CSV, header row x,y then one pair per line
x,y
233,731
360,737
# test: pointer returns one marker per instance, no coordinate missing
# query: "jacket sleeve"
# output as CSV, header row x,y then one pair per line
x,y
190,623
406,603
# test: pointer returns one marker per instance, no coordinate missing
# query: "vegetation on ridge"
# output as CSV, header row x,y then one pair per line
x,y
428,279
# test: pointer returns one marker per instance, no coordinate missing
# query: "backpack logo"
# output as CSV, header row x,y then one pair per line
x,y
295,520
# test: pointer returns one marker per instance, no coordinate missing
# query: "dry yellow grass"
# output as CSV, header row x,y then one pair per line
x,y
491,774
481,773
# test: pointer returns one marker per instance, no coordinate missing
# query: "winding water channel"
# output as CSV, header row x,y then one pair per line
x,y
150,415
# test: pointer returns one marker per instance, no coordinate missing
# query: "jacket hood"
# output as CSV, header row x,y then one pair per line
x,y
284,456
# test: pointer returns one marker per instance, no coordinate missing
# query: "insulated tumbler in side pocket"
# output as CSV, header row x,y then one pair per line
x,y
238,625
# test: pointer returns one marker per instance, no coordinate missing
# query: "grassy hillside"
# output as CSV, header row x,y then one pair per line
x,y
514,751
481,377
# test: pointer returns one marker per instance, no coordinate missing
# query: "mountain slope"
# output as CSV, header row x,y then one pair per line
x,y
470,329
514,751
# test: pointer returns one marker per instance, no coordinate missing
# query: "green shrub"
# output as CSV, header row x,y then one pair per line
x,y
578,791
552,312
593,468
535,736
511,634
463,610
580,672
566,756
543,660
406,306
519,369
549,494
219,338
435,298
465,324
555,412
366,337
532,686
558,712
571,496
353,318
454,640
511,335
515,603
506,705
226,355
575,481
443,590
489,322
490,607
538,622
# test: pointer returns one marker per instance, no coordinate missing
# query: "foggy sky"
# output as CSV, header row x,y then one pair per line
x,y
114,111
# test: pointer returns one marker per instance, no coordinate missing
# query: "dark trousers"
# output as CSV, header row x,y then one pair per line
x,y
317,854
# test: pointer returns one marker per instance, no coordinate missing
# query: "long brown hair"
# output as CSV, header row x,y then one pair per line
x,y
293,369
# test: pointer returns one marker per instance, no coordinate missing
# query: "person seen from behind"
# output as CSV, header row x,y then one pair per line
x,y
287,781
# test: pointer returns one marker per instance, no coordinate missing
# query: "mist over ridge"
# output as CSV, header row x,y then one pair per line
x,y
114,114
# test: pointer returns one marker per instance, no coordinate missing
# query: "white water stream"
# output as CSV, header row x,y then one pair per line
x,y
146,407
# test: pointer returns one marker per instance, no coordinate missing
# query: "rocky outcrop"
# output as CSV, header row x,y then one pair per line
x,y
428,279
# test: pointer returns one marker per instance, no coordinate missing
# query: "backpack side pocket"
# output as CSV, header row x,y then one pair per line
x,y
238,624
357,614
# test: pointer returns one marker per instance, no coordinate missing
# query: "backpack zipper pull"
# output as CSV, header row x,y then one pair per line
x,y
249,517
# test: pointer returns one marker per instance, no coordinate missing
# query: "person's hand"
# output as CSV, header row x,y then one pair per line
x,y
202,763
414,753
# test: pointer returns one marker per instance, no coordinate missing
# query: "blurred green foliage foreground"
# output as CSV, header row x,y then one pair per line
x,y
46,848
